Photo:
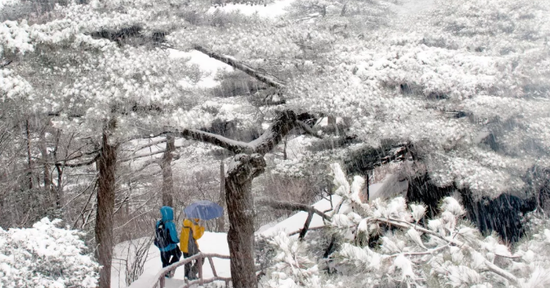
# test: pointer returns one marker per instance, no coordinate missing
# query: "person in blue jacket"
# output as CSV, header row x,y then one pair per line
x,y
166,238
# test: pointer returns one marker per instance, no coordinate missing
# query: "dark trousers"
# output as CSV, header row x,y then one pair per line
x,y
169,257
191,268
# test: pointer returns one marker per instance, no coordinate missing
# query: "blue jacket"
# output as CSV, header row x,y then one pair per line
x,y
168,219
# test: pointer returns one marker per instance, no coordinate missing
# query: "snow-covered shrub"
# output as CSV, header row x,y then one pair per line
x,y
45,256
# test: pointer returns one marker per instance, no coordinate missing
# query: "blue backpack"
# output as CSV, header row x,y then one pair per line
x,y
162,236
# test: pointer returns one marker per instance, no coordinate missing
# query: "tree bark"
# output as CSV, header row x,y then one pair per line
x,y
45,157
306,226
284,148
29,159
166,166
105,208
240,208
59,197
220,222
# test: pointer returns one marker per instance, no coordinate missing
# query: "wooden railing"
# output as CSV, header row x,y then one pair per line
x,y
161,279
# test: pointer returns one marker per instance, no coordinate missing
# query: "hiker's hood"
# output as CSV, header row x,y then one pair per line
x,y
167,213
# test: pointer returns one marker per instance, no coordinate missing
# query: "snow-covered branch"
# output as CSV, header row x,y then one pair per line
x,y
217,140
261,76
285,121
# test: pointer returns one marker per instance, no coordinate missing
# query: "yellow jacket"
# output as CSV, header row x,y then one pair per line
x,y
198,231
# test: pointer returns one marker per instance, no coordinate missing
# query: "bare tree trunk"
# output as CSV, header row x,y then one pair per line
x,y
45,157
220,222
105,208
240,208
306,226
284,147
166,166
59,198
29,159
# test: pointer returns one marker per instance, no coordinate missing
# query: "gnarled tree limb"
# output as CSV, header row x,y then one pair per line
x,y
285,121
218,140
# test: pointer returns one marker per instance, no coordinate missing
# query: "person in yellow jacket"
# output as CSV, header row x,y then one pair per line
x,y
190,233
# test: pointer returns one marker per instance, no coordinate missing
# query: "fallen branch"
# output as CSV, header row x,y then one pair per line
x,y
291,206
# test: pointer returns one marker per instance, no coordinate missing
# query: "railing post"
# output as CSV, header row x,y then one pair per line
x,y
199,262
212,266
162,281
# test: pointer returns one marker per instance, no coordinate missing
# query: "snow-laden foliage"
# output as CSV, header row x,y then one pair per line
x,y
4,3
408,249
445,79
85,80
14,37
293,267
45,256
107,87
12,86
